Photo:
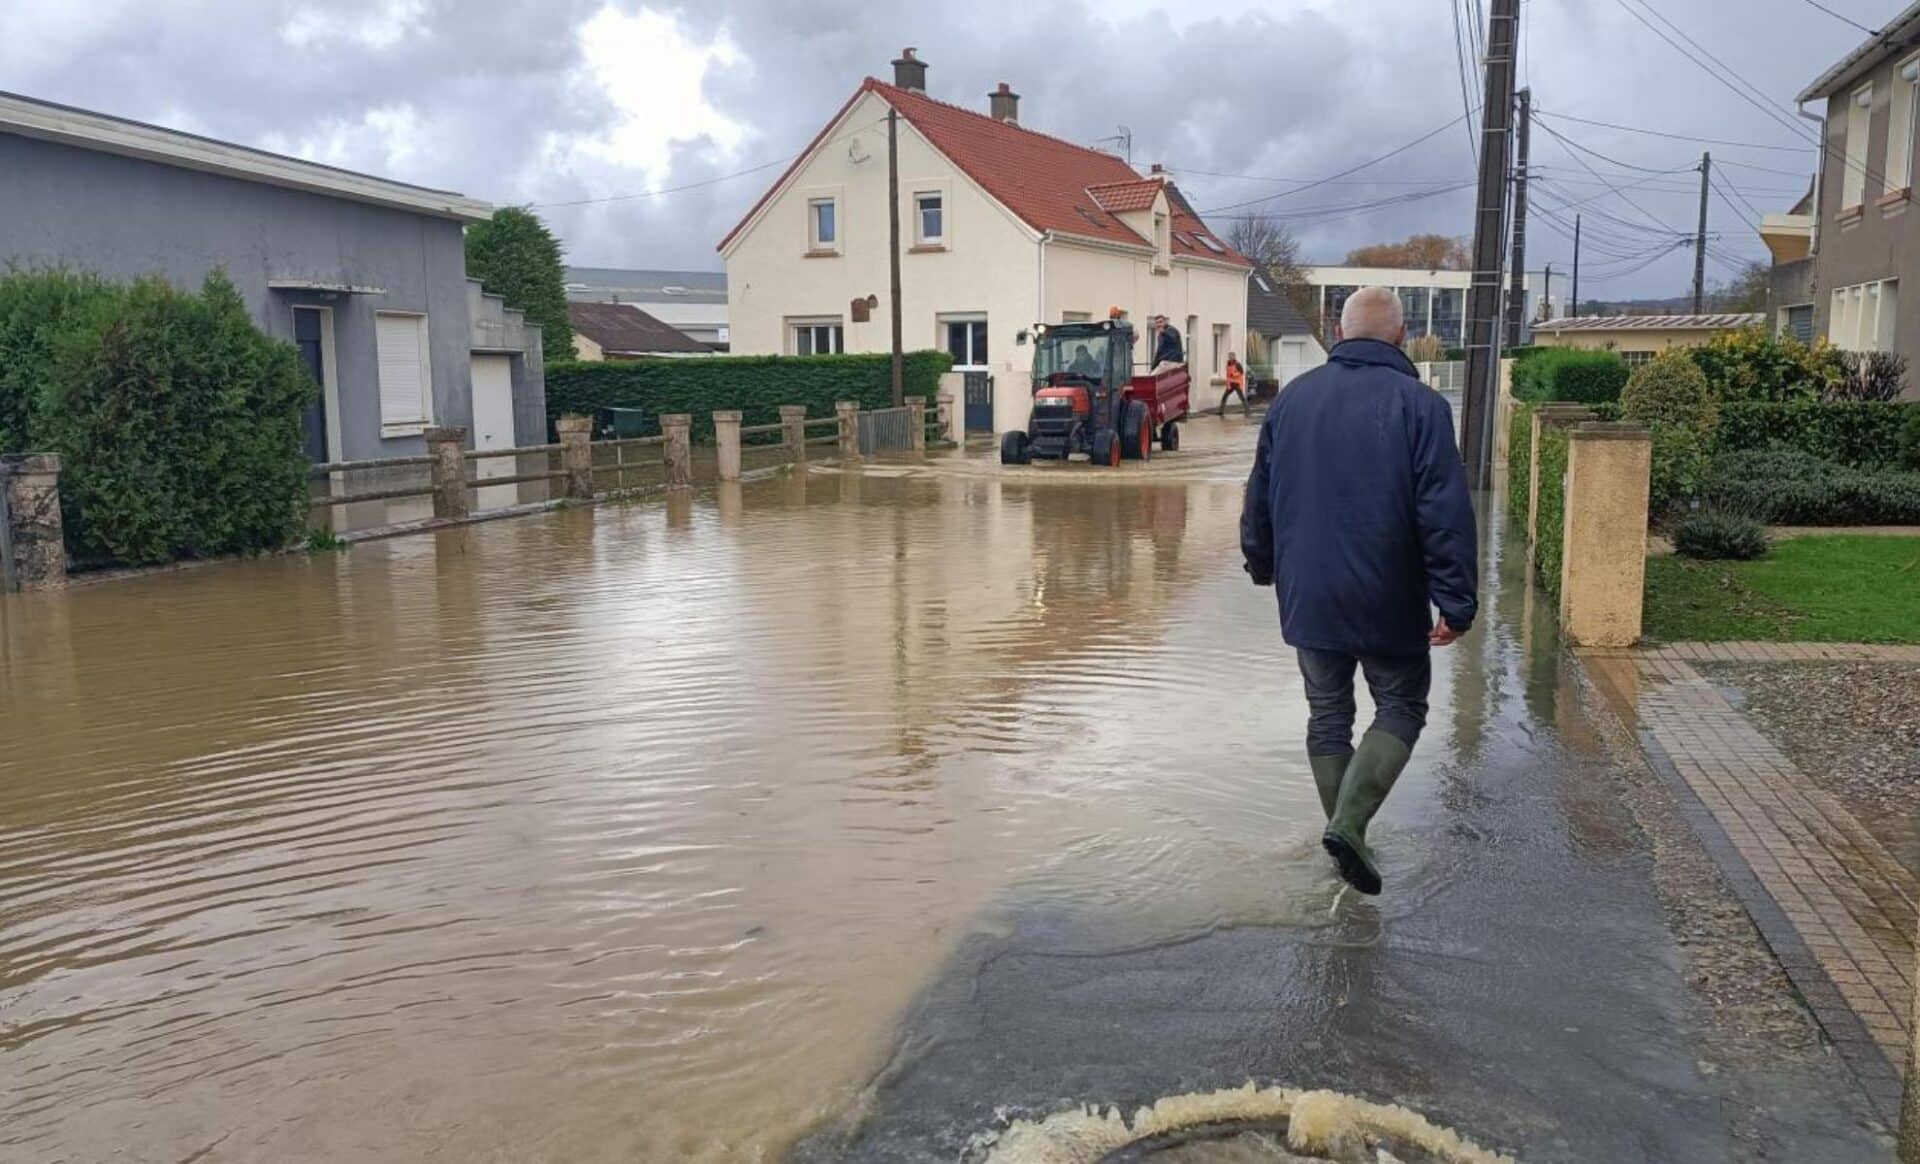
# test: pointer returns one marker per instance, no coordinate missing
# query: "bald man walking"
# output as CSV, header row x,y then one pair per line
x,y
1358,509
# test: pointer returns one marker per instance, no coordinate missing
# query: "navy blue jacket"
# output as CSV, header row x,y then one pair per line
x,y
1167,348
1358,505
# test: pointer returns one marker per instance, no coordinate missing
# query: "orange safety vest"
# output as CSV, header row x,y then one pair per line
x,y
1236,375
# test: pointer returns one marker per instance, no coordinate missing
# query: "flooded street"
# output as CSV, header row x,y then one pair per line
x,y
620,833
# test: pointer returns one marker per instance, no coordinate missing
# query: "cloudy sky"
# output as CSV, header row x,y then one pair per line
x,y
596,111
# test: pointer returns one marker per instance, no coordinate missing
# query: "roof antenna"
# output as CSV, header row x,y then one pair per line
x,y
1124,137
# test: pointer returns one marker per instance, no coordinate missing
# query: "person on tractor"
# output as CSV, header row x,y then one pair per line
x,y
1083,364
1357,508
1166,345
1236,386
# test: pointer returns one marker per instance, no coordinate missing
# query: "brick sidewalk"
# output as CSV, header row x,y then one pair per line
x,y
1837,909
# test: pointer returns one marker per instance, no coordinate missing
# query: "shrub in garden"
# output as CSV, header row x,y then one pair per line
x,y
1906,441
1719,534
1853,433
1681,464
1669,389
1576,375
1426,348
1751,365
1519,459
1786,486
1870,376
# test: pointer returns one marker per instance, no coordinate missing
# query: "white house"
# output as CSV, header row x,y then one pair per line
x,y
1001,228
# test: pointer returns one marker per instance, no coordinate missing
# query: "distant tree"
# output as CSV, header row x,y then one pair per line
x,y
1425,252
1745,292
516,257
1276,253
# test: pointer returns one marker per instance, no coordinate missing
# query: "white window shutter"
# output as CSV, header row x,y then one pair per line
x,y
401,340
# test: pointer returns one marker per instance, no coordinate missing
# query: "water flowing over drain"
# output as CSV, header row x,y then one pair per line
x,y
1251,1124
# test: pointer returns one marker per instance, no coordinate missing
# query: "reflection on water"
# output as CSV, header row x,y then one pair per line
x,y
615,833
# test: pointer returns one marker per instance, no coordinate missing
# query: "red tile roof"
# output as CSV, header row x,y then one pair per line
x,y
1045,181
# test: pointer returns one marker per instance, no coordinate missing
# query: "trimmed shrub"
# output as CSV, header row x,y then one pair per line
x,y
1856,433
1785,486
756,385
1717,534
1669,389
178,421
1577,375
1681,466
1519,460
1750,365
1552,516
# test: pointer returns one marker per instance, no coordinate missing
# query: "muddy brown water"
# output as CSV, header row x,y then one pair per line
x,y
611,834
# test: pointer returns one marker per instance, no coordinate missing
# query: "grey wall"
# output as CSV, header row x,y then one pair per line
x,y
123,217
1789,285
499,328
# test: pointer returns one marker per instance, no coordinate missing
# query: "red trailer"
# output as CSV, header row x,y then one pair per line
x,y
1087,399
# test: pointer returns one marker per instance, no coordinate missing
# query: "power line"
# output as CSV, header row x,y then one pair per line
x,y
1757,102
1466,91
1844,19
1751,145
1315,212
1392,153
1768,169
1755,210
1565,140
705,181
1564,143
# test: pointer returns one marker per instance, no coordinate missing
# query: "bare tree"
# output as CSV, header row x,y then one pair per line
x,y
1745,292
1276,253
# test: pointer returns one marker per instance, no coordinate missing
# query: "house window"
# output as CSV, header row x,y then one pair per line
x,y
1220,342
1797,321
1635,359
1076,317
929,219
1190,340
1162,243
966,340
1863,316
406,383
817,337
1900,126
1853,180
823,224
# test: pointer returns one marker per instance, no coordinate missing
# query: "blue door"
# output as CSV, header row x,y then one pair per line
x,y
979,391
313,425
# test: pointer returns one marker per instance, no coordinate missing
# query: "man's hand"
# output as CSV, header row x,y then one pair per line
x,y
1442,634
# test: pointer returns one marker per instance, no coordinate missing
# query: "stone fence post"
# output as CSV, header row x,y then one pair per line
x,y
1546,416
33,550
576,455
944,405
726,432
917,421
677,453
848,412
793,431
449,471
1603,569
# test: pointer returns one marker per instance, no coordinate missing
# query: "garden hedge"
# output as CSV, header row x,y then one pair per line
x,y
1856,433
1785,486
178,421
1519,459
1552,507
1575,375
756,385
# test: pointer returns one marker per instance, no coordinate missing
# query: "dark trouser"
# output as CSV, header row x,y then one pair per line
x,y
1399,685
1230,393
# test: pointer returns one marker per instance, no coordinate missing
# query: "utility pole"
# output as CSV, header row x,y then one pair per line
x,y
1700,239
1546,296
1517,261
1573,308
1489,231
893,248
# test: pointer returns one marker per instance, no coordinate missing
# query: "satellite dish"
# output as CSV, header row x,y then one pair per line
x,y
857,153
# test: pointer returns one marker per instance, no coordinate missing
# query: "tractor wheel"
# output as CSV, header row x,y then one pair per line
x,y
1145,429
1169,437
1013,448
1136,432
1106,448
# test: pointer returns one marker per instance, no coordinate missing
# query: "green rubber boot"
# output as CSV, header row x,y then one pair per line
x,y
1328,771
1376,764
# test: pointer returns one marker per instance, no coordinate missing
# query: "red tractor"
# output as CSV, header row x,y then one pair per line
x,y
1086,399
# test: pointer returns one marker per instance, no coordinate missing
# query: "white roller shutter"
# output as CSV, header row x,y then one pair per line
x,y
402,340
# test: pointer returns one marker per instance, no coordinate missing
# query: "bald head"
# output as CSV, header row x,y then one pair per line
x,y
1373,313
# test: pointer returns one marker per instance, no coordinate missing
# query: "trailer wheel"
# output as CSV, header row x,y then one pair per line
x,y
1169,437
1013,448
1106,448
1136,432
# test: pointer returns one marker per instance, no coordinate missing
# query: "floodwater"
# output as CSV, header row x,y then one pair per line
x,y
617,833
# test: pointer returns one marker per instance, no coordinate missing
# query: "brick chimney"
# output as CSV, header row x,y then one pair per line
x,y
910,72
1005,104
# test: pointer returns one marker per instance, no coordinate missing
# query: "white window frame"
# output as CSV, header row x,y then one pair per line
x,y
920,237
1865,316
1903,109
940,323
797,323
1162,242
1853,177
405,426
1076,317
815,244
1222,339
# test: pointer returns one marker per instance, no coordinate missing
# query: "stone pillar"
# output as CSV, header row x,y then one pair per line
x,y
793,432
917,421
1603,569
944,404
33,549
848,412
726,432
677,452
449,470
576,455
1554,415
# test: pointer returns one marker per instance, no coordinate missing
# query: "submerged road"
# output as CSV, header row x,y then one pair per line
x,y
843,815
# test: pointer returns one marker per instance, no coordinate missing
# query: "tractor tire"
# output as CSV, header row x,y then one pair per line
x,y
1136,432
1013,448
1105,449
1169,437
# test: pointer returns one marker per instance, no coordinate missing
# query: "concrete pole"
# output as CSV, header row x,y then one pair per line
x,y
893,245
1489,242
576,455
917,421
848,412
33,537
946,413
793,432
1603,568
1517,276
1546,416
726,434
448,471
1700,238
677,453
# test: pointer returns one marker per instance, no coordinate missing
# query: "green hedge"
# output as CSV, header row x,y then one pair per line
x,y
1786,486
178,421
1861,433
1552,516
756,385
1578,375
1519,461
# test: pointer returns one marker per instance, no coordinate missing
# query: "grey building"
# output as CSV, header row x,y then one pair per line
x,y
691,302
367,276
1842,259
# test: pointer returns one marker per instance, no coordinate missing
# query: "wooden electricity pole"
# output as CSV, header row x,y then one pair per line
x,y
893,248
1489,230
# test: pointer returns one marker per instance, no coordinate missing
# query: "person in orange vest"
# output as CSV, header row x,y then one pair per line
x,y
1236,386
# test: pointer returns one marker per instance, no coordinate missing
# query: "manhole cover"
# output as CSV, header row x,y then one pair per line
x,y
1245,1125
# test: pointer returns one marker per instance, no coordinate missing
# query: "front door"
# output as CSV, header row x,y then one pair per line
x,y
979,391
493,427
307,336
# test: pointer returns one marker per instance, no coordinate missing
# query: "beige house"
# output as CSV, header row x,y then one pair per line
x,y
1001,228
1638,338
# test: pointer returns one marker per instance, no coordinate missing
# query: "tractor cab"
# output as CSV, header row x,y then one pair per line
x,y
1086,399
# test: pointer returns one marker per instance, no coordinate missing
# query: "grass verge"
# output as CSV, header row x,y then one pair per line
x,y
1842,589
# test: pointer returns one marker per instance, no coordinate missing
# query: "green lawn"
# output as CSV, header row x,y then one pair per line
x,y
1809,590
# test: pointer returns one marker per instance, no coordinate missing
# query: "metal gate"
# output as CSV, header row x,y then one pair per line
x,y
979,390
886,430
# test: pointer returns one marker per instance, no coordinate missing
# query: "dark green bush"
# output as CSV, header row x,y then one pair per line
x,y
1681,466
178,421
1853,433
1785,486
1551,517
1669,389
1577,375
756,385
1719,534
1519,460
